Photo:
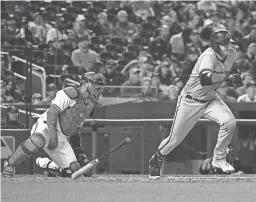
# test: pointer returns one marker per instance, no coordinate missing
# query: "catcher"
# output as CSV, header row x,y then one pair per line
x,y
63,119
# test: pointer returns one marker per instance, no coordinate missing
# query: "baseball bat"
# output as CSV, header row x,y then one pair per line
x,y
93,163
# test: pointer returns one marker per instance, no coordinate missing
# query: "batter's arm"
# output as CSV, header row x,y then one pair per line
x,y
207,74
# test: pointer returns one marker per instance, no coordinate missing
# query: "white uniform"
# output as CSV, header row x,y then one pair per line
x,y
63,155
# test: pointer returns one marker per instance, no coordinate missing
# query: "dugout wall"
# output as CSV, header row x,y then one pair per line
x,y
134,157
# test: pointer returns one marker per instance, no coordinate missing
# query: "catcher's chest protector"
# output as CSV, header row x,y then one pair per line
x,y
71,118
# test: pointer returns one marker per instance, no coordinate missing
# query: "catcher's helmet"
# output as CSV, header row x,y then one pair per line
x,y
220,37
94,78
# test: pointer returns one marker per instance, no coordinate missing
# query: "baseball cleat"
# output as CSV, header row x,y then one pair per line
x,y
155,167
9,170
223,165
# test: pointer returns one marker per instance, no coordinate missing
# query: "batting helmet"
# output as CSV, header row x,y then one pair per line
x,y
220,37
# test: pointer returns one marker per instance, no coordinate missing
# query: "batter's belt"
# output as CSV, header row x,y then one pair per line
x,y
195,99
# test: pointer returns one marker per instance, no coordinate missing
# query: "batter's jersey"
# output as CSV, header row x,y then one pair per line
x,y
208,60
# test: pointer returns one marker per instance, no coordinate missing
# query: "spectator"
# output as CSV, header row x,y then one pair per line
x,y
50,93
175,68
165,75
79,29
240,16
38,28
195,41
146,88
124,28
179,41
161,46
196,23
142,9
113,78
190,11
134,81
103,27
171,21
147,66
246,78
205,37
171,93
251,37
56,54
84,57
137,63
53,34
250,95
214,21
247,152
192,54
207,6
12,119
37,99
251,57
10,31
178,83
4,97
222,91
10,88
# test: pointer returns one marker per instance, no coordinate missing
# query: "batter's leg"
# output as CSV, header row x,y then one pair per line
x,y
187,114
219,112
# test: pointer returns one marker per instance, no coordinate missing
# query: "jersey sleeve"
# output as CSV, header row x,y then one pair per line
x,y
207,62
61,101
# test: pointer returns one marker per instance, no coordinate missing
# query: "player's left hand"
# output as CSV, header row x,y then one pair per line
x,y
235,78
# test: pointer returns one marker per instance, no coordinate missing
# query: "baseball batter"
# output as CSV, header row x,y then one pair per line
x,y
66,114
199,98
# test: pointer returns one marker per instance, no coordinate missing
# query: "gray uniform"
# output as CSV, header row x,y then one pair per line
x,y
196,101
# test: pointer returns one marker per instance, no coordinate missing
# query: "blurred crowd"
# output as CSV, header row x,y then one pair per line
x,y
149,48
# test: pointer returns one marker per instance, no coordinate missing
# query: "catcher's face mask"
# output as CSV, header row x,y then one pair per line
x,y
96,84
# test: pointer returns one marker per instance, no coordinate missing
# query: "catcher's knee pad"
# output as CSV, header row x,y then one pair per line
x,y
34,143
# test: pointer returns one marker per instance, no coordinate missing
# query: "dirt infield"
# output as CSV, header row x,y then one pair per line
x,y
130,188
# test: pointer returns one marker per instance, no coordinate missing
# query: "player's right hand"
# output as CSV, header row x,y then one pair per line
x,y
53,143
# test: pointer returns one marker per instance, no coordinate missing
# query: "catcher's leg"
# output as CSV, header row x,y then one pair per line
x,y
64,156
28,148
37,140
219,112
187,114
50,168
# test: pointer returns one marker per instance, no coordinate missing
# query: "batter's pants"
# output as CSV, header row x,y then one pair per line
x,y
187,114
